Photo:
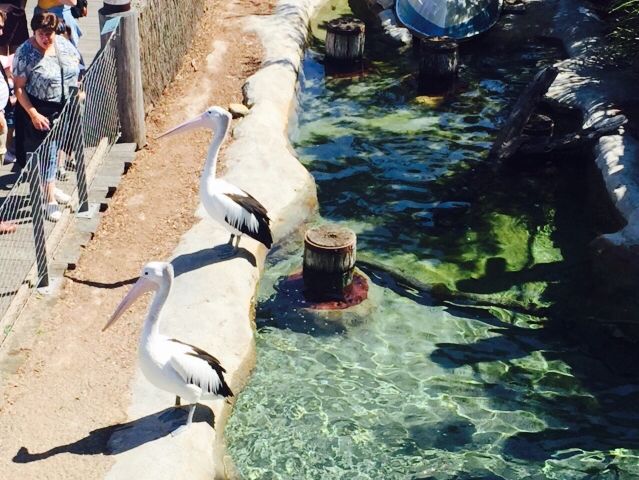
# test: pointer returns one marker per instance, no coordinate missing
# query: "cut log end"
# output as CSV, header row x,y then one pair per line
x,y
346,26
330,236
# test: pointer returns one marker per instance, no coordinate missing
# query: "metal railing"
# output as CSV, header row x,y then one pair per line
x,y
71,153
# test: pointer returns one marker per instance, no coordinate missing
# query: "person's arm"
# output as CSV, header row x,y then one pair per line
x,y
40,122
71,3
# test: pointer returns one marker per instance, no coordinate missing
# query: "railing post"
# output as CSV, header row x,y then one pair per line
x,y
129,70
37,214
83,191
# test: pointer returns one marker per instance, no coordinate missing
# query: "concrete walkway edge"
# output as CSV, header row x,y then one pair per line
x,y
212,302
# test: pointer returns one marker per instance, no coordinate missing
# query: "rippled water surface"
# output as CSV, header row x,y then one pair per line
x,y
420,386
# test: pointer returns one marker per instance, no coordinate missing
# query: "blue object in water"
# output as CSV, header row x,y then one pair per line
x,y
456,19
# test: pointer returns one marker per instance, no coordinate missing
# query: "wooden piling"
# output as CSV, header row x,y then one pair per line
x,y
129,71
438,63
329,261
345,38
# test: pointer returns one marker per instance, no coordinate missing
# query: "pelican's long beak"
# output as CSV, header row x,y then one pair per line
x,y
142,286
198,122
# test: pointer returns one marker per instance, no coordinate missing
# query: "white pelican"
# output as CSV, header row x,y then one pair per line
x,y
177,367
229,205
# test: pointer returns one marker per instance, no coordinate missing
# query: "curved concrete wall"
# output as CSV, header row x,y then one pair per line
x,y
211,304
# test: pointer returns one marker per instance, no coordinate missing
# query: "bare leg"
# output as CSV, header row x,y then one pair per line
x,y
189,420
237,244
178,403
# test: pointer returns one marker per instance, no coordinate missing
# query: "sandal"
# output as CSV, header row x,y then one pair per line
x,y
7,227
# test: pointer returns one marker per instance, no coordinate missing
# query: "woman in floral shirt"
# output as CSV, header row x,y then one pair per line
x,y
45,67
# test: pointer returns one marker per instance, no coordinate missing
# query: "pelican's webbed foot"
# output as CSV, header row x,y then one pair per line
x,y
228,250
189,420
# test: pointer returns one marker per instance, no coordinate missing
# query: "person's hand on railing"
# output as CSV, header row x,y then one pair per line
x,y
40,122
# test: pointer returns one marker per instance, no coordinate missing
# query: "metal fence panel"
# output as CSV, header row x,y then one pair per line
x,y
80,139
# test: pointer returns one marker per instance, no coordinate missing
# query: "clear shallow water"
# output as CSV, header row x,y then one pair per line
x,y
416,389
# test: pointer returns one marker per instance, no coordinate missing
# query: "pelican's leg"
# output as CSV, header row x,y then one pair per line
x,y
189,420
227,250
237,244
191,412
178,403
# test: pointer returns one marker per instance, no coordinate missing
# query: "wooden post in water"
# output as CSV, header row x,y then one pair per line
x,y
129,70
438,63
329,261
345,40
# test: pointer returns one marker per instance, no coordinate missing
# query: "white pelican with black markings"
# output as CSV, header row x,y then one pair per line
x,y
225,203
171,365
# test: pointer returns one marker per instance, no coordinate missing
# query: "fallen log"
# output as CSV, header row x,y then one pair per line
x,y
572,141
509,138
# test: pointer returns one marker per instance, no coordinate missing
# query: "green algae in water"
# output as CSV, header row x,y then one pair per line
x,y
418,390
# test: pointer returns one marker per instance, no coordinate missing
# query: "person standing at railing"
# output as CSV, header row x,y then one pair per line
x,y
4,99
15,28
14,33
62,9
9,109
5,226
45,67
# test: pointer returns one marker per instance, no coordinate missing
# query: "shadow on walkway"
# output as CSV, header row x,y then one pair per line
x,y
188,262
116,439
181,264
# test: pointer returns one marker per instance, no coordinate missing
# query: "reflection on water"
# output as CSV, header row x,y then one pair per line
x,y
419,390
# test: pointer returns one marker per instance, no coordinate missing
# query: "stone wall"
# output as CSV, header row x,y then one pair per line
x,y
166,30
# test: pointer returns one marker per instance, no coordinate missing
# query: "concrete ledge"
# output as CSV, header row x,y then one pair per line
x,y
212,302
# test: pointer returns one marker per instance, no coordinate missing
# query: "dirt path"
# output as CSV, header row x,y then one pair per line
x,y
60,407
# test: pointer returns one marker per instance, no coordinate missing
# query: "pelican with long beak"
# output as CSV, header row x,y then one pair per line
x,y
177,367
225,203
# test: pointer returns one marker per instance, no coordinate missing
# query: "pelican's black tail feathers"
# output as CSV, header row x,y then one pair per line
x,y
254,207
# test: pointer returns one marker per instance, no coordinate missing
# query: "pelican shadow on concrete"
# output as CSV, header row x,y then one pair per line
x,y
116,439
188,262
